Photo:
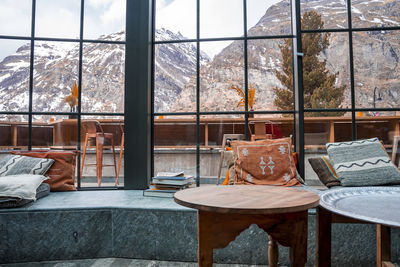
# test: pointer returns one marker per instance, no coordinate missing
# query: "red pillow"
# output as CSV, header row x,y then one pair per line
x,y
62,172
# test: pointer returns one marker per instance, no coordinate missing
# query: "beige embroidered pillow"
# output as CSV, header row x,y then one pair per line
x,y
265,162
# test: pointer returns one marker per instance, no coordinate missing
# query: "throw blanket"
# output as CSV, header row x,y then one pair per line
x,y
20,186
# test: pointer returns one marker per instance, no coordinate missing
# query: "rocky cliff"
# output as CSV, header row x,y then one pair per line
x,y
376,57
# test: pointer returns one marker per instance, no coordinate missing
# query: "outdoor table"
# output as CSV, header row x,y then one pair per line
x,y
225,211
377,205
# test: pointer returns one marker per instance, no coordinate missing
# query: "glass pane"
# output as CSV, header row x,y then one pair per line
x,y
55,72
276,125
326,78
111,163
219,77
175,77
58,18
367,14
270,74
14,75
376,69
268,17
103,78
105,20
54,131
12,11
382,126
213,130
221,18
175,20
325,15
175,144
319,130
13,132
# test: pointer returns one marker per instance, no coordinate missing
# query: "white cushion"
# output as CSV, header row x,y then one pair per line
x,y
22,185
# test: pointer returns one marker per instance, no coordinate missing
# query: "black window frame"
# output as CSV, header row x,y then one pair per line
x,y
30,113
297,55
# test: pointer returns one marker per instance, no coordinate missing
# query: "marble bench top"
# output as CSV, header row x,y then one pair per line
x,y
106,199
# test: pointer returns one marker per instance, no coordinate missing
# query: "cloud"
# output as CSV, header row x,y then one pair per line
x,y
99,3
114,12
222,18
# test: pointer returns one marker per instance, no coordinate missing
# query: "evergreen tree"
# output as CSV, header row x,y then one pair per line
x,y
318,84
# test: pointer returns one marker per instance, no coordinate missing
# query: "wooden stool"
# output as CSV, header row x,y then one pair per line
x,y
94,132
225,138
260,131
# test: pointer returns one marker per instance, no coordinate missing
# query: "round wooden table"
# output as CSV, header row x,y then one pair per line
x,y
225,211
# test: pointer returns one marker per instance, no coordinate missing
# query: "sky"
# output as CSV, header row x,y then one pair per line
x,y
60,19
218,18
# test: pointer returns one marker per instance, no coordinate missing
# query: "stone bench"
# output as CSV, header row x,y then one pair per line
x,y
123,223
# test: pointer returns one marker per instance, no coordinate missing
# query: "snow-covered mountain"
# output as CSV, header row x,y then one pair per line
x,y
56,69
174,65
376,64
376,57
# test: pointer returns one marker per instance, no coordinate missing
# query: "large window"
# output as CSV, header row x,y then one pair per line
x,y
215,72
219,69
62,71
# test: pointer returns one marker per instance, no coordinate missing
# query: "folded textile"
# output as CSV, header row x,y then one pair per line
x,y
16,202
21,186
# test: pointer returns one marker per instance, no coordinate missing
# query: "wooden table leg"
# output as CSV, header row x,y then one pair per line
x,y
323,238
298,251
205,239
273,252
383,251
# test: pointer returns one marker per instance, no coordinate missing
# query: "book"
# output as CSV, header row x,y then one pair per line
x,y
159,193
182,180
168,187
170,174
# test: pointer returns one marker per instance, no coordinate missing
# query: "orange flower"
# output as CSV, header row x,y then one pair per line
x,y
74,90
72,99
251,94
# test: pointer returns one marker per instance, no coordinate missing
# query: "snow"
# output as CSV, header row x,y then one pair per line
x,y
392,21
355,10
2,78
271,63
13,66
376,20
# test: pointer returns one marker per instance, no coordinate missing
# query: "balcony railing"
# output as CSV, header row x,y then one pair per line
x,y
181,132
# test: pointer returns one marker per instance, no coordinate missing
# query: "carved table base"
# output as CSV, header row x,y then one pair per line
x,y
217,230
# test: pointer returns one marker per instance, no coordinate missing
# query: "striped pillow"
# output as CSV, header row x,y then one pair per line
x,y
324,170
362,163
16,164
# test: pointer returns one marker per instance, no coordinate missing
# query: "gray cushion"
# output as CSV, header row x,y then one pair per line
x,y
14,202
362,163
16,164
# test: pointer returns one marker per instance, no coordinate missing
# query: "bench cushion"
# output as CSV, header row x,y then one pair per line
x,y
362,163
17,164
15,202
62,172
324,170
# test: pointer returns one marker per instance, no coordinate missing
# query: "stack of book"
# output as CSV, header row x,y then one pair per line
x,y
166,184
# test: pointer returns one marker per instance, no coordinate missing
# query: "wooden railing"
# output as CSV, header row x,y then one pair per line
x,y
181,132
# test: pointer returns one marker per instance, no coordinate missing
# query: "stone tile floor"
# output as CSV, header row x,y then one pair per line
x,y
116,262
